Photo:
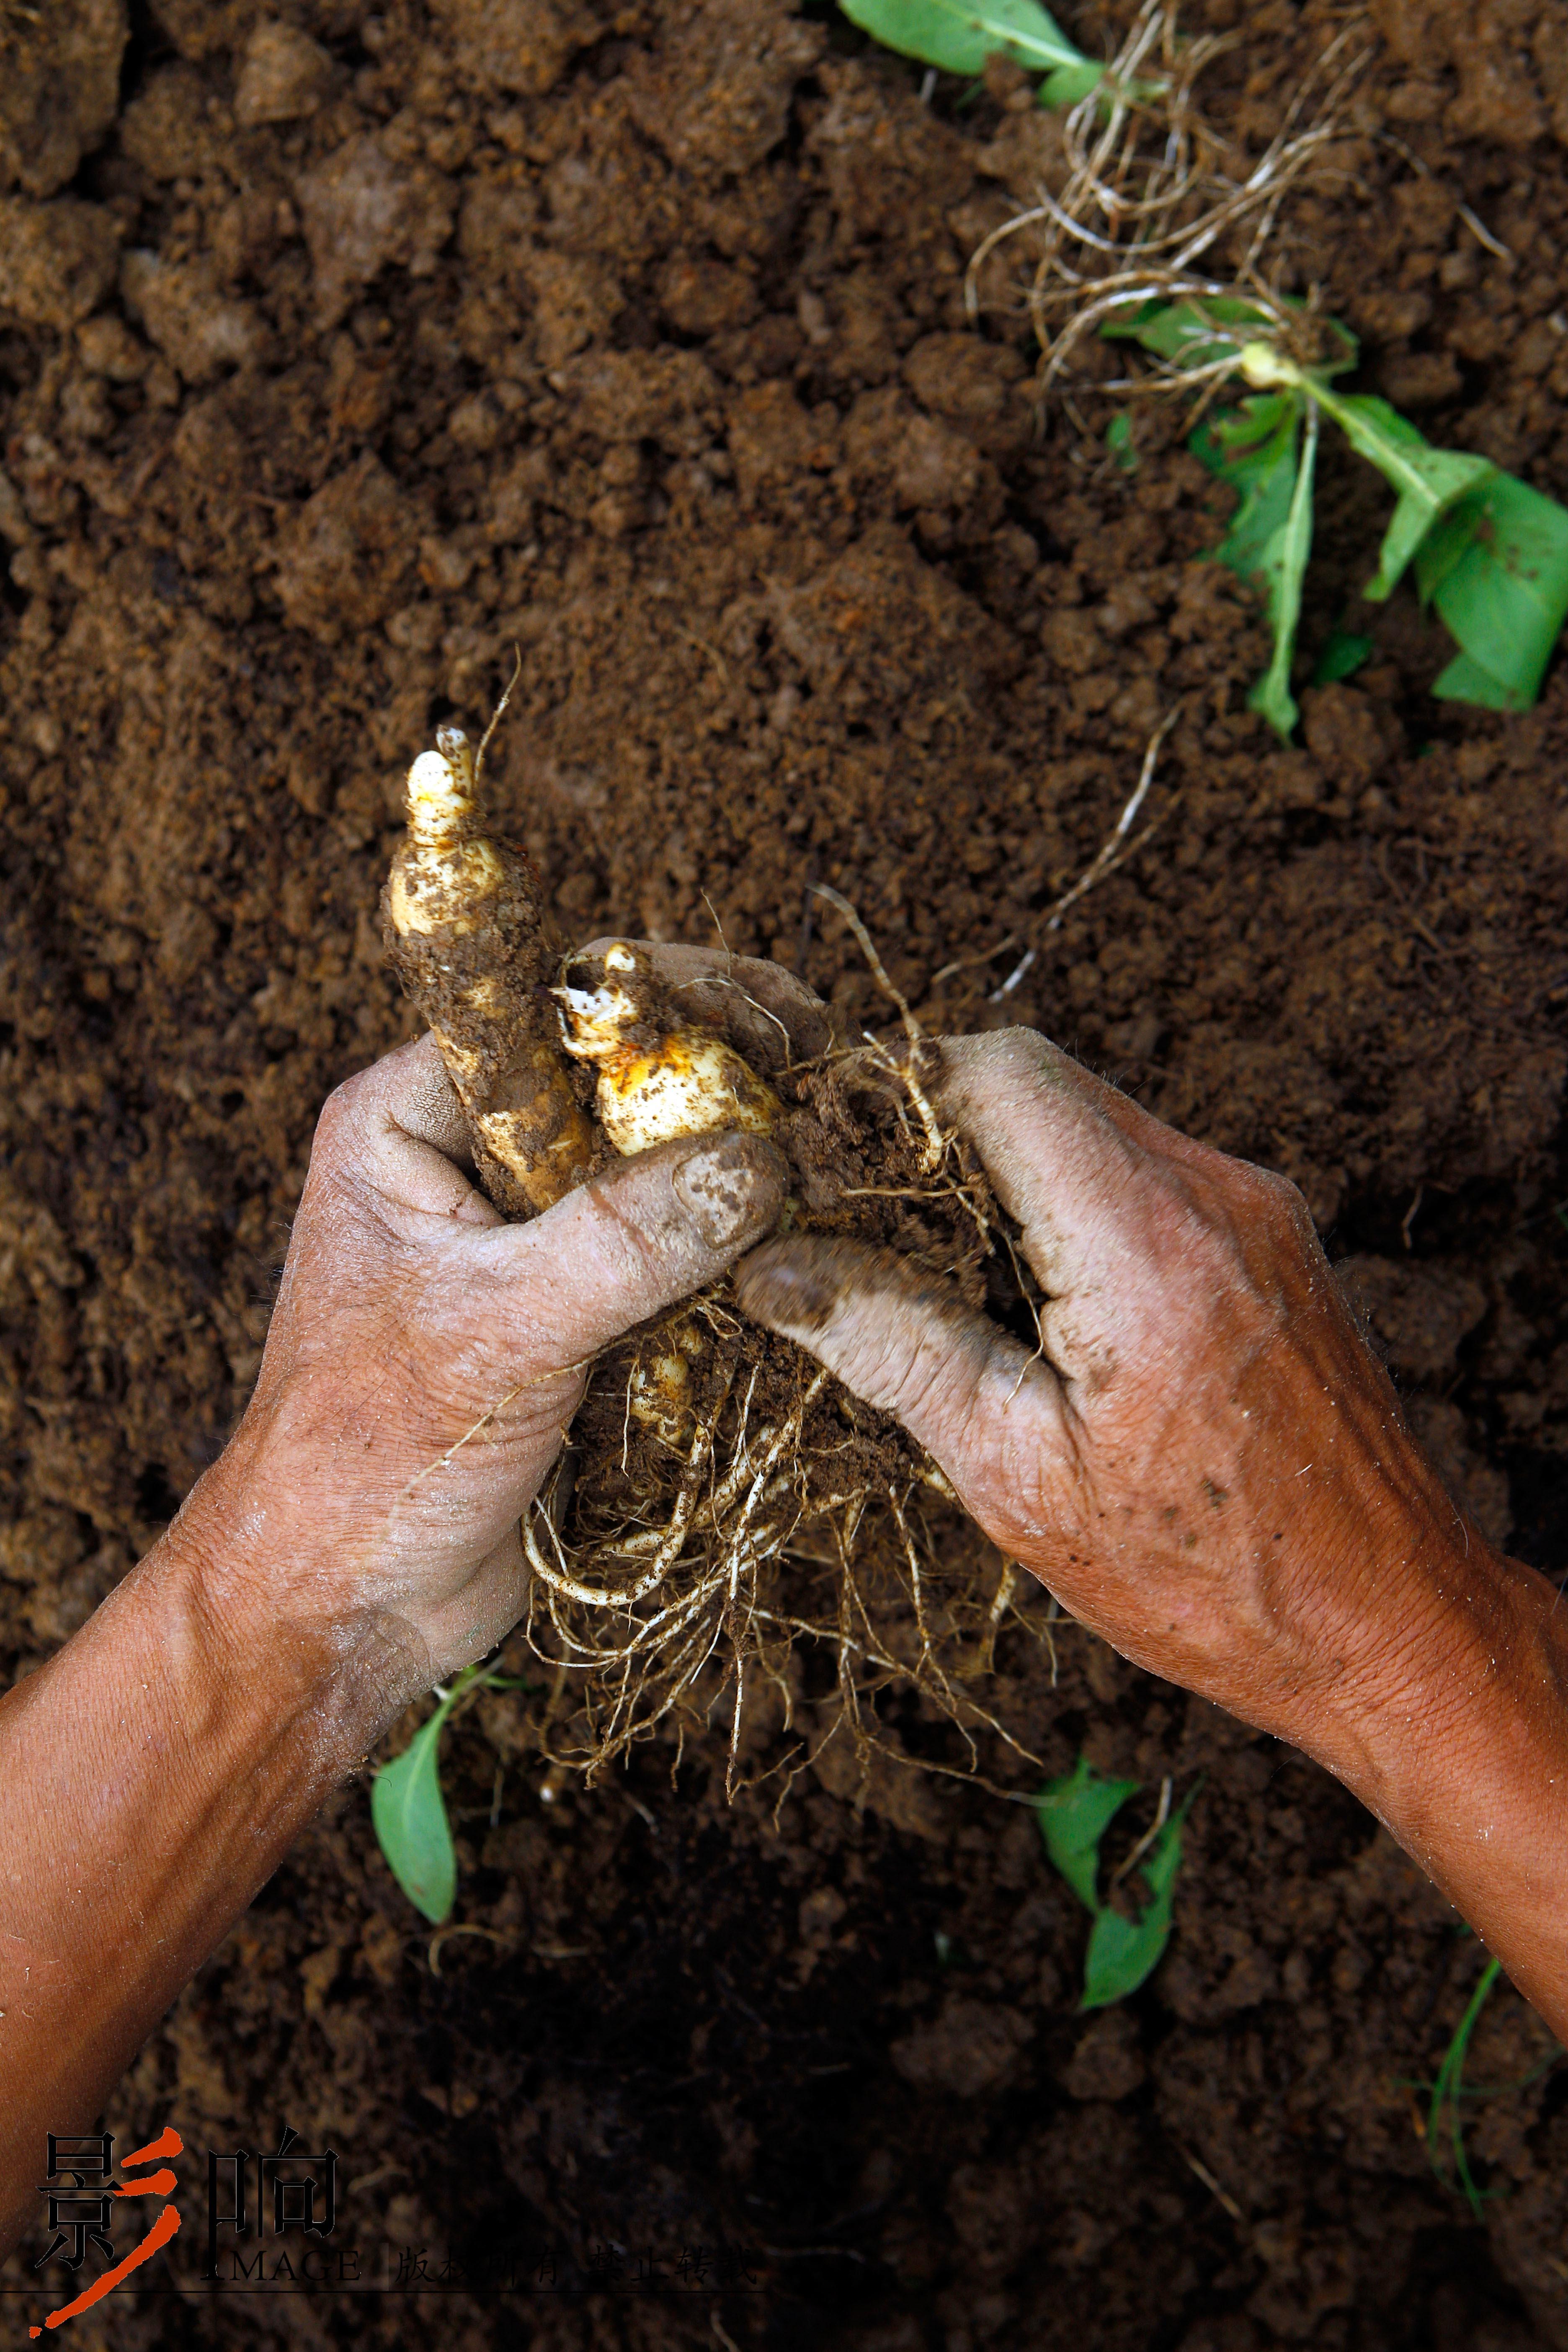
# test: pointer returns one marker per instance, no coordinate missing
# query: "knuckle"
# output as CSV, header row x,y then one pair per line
x,y
1020,1052
897,1374
343,1111
1009,1059
1281,1207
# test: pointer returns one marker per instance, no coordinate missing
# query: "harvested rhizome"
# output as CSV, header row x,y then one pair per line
x,y
723,1502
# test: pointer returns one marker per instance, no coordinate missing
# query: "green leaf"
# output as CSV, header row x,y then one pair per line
x,y
1497,571
1464,680
1069,83
1184,332
410,1819
1427,481
1122,1952
959,35
1448,2090
1254,448
1119,442
1342,655
1284,567
1074,1815
1200,330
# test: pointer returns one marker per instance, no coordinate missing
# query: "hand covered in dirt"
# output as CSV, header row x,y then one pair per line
x,y
1202,1432
1206,1464
425,1359
356,1541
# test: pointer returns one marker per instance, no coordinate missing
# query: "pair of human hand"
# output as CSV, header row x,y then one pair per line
x,y
1204,1462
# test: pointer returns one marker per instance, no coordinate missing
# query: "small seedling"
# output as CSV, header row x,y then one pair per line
x,y
958,35
1127,247
1445,2114
1074,1815
1448,2090
1489,553
409,1812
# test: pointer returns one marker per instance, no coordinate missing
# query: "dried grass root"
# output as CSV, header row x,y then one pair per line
x,y
467,937
1147,202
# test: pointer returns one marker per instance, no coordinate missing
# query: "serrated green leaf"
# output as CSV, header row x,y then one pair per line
x,y
958,35
1497,571
1122,1952
1074,1815
409,1815
1427,481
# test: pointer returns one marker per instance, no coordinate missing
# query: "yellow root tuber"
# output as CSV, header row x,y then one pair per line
x,y
657,1080
467,934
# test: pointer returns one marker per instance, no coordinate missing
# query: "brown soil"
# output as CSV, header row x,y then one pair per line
x,y
351,350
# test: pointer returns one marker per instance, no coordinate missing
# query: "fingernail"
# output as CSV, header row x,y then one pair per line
x,y
786,1287
733,1191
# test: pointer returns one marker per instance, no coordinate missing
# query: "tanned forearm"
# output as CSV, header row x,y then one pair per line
x,y
351,1548
1466,1761
157,1769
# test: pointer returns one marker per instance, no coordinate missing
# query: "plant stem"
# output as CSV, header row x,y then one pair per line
x,y
1447,2089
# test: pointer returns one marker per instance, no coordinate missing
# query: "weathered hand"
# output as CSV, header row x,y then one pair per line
x,y
357,1541
1208,1467
1204,1462
423,1363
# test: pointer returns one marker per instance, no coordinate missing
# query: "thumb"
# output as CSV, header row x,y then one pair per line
x,y
643,1233
991,1415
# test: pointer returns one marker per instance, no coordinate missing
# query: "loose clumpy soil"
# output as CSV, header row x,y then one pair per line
x,y
341,352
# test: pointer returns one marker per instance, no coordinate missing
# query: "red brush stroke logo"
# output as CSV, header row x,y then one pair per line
x,y
160,2183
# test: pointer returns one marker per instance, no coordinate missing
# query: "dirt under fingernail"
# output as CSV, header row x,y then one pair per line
x,y
731,1189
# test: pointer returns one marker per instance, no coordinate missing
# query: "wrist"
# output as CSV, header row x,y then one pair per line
x,y
1460,1748
267,1585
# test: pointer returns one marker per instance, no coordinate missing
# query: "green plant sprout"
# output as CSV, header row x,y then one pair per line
x,y
1074,1815
1125,245
958,35
408,1810
1450,2089
1488,553
1341,655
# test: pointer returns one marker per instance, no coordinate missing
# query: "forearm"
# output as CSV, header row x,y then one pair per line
x,y
357,1542
158,1768
1464,1756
